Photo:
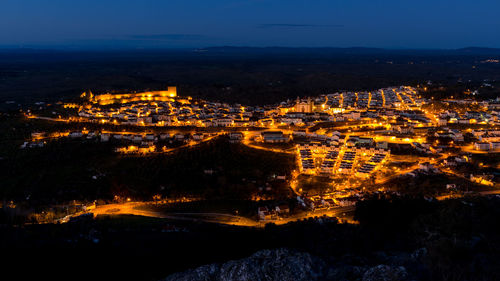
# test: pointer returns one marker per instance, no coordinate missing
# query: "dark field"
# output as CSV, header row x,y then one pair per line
x,y
66,170
242,75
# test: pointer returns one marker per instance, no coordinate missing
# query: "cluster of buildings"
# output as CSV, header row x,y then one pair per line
x,y
126,142
352,106
358,156
468,117
354,144
369,121
143,143
279,211
396,97
165,108
387,115
327,201
488,140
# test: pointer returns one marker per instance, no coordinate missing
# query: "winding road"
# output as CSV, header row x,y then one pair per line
x,y
145,209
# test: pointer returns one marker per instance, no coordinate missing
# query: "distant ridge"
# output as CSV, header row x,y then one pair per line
x,y
349,50
273,50
479,50
236,49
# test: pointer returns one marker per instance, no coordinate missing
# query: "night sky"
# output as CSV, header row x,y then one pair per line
x,y
293,23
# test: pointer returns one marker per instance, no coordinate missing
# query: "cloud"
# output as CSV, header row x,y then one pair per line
x,y
294,25
168,37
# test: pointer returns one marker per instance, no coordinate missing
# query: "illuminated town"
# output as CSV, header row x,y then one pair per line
x,y
342,141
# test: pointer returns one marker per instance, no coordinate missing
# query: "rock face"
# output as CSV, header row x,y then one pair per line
x,y
385,273
289,265
279,265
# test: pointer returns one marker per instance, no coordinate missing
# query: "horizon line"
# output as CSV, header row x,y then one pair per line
x,y
35,47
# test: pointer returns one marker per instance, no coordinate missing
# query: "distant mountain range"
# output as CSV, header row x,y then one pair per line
x,y
351,50
268,50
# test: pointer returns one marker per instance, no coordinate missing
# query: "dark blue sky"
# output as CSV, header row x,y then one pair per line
x,y
296,23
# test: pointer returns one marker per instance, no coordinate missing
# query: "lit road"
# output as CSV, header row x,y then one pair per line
x,y
48,118
248,136
190,144
399,173
484,193
490,192
147,210
332,212
276,150
141,209
433,161
470,149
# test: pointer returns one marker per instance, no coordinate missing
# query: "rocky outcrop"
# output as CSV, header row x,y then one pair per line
x,y
385,273
289,265
279,265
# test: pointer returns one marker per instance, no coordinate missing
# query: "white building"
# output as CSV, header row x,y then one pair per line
x,y
483,146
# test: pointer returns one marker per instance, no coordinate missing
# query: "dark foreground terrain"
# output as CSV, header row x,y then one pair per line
x,y
399,238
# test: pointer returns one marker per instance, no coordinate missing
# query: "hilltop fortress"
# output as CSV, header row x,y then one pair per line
x,y
106,99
